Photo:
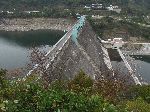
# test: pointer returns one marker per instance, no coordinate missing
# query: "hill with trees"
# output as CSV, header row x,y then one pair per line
x,y
113,28
36,4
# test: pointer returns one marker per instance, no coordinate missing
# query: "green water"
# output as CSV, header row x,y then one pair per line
x,y
14,46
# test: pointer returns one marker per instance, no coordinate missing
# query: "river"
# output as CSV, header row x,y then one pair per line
x,y
14,46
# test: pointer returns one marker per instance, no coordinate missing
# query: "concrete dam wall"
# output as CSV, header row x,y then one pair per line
x,y
88,55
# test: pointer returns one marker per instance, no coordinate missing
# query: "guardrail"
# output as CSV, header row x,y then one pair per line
x,y
59,45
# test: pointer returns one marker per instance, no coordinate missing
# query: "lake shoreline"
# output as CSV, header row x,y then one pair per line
x,y
15,47
19,24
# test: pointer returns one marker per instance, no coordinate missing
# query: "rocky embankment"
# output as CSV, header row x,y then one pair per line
x,y
19,24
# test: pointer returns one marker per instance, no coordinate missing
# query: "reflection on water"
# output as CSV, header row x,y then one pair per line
x,y
27,39
145,58
139,63
143,66
14,45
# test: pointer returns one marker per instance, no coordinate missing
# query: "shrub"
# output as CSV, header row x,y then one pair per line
x,y
138,105
30,95
111,87
144,92
139,91
81,84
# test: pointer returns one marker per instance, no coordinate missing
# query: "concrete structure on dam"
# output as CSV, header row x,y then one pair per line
x,y
77,51
87,54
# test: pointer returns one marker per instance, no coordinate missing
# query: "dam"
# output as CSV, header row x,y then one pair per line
x,y
79,49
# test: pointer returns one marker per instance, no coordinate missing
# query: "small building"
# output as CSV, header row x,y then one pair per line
x,y
97,6
117,43
114,8
110,8
10,12
114,44
87,7
31,12
97,16
78,15
117,10
7,12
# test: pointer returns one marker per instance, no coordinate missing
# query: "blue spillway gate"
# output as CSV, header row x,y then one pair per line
x,y
77,28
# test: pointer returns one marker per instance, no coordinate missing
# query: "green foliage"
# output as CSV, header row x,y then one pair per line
x,y
136,99
3,81
72,2
107,26
140,91
53,12
80,94
141,5
30,95
81,84
138,105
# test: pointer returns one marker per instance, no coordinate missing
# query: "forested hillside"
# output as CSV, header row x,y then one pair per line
x,y
36,4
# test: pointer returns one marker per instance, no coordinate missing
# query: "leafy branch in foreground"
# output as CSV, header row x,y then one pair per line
x,y
81,94
30,95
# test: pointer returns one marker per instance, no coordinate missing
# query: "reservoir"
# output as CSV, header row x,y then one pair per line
x,y
140,64
14,46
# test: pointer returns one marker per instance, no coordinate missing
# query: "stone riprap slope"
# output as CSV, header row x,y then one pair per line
x,y
87,56
92,45
19,24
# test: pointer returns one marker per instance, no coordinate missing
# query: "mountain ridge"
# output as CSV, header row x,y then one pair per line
x,y
143,5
